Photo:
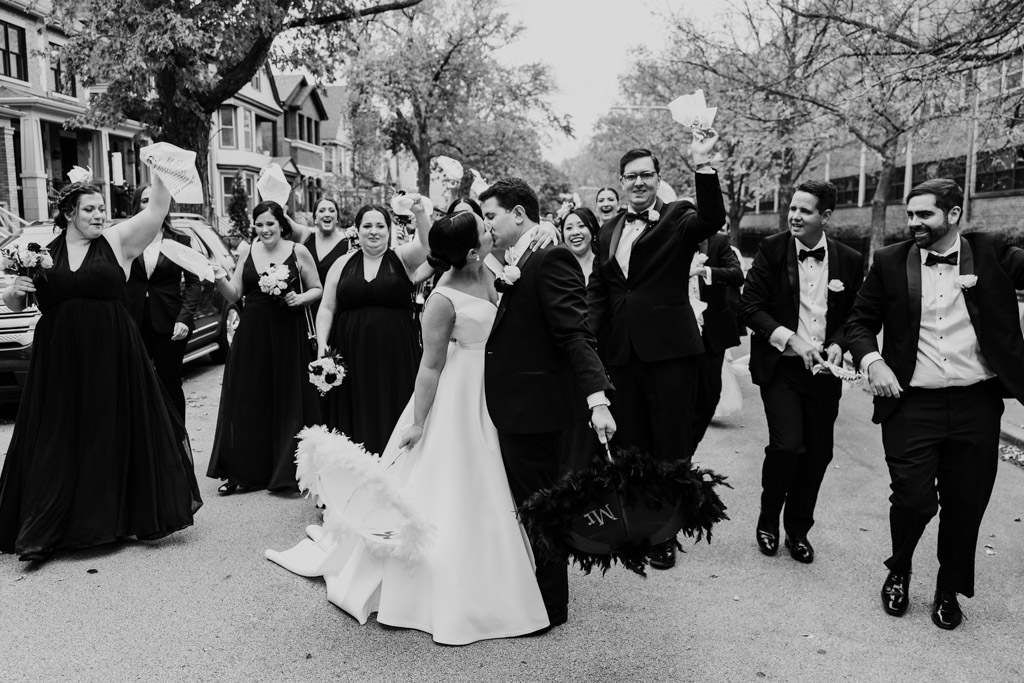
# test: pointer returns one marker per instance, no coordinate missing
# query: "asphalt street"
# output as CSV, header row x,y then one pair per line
x,y
204,604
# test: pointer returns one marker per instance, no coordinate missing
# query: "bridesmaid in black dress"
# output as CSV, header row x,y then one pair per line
x,y
98,454
367,317
266,397
326,240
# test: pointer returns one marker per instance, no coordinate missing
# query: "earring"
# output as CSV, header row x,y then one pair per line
x,y
475,257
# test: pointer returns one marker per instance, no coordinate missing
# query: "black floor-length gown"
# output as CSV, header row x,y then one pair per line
x,y
98,453
266,397
375,333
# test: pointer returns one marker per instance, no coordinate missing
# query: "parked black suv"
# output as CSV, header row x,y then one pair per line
x,y
215,322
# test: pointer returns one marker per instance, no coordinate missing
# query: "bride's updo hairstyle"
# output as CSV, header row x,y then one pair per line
x,y
451,238
68,202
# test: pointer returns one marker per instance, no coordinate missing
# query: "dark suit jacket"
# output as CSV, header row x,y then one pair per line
x,y
169,302
650,311
771,297
891,298
541,361
721,331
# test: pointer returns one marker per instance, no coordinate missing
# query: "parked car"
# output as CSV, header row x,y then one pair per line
x,y
215,321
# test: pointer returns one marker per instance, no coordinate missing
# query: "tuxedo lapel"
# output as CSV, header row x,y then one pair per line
x,y
701,284
914,290
503,304
967,268
793,272
833,274
613,246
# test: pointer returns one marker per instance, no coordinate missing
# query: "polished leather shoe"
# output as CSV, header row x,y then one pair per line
x,y
767,541
896,594
946,612
663,555
34,556
800,549
227,488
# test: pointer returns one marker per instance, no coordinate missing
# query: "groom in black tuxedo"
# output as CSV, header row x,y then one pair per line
x,y
952,351
639,307
542,371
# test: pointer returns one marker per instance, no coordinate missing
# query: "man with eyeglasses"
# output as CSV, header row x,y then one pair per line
x,y
639,306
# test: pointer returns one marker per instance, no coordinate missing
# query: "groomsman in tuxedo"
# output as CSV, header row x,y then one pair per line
x,y
639,308
796,298
952,350
718,281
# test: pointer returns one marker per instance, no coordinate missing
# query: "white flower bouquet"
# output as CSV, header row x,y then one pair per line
x,y
275,279
327,372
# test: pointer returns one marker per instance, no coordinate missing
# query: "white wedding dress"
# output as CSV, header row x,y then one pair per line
x,y
476,578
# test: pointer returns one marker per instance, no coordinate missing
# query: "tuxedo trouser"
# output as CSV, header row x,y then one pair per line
x,y
167,356
942,447
531,464
801,411
709,392
653,406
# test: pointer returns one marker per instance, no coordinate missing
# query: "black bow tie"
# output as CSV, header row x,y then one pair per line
x,y
640,216
818,253
934,259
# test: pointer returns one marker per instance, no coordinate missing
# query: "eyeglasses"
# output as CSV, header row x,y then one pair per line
x,y
646,176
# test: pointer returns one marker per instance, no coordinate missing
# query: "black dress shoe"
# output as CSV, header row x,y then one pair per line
x,y
946,612
663,555
34,556
227,488
767,541
800,549
896,594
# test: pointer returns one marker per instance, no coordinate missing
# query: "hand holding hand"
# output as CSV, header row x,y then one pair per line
x,y
805,350
410,437
882,380
603,423
180,332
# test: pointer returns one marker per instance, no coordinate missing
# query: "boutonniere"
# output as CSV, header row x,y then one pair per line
x,y
836,286
652,216
509,276
966,281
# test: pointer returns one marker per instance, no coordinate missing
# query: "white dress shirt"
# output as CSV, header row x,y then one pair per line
x,y
631,230
813,302
948,353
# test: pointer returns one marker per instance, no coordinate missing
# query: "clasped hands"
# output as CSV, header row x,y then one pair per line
x,y
810,354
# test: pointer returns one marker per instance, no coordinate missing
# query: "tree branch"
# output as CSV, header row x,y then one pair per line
x,y
350,14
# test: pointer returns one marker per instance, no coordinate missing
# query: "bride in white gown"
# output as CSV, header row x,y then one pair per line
x,y
476,579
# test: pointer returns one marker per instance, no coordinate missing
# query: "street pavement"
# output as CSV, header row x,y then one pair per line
x,y
204,604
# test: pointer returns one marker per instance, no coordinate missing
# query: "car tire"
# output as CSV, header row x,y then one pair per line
x,y
228,324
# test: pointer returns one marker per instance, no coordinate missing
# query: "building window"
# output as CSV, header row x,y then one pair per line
x,y
1014,72
247,129
227,128
12,51
265,136
316,132
57,84
255,82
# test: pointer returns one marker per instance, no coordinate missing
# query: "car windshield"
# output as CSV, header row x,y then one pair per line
x,y
40,234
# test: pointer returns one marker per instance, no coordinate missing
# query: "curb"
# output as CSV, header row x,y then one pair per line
x,y
1012,434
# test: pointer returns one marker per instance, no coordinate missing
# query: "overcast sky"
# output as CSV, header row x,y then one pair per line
x,y
588,43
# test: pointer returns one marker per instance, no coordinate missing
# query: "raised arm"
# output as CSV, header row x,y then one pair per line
x,y
414,253
231,288
299,231
438,323
135,234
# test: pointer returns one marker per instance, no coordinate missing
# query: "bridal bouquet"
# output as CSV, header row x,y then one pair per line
x,y
274,280
31,261
327,372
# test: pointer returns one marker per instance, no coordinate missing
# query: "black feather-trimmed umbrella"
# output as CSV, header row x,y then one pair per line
x,y
619,508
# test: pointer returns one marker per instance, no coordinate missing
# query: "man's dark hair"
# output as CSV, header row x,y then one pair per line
x,y
638,153
513,192
947,193
826,192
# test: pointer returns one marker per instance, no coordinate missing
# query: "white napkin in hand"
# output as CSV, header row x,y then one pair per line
x,y
77,174
176,167
273,186
693,111
188,258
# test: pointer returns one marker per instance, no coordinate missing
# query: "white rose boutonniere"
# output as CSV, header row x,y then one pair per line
x,y
836,286
966,281
511,274
652,215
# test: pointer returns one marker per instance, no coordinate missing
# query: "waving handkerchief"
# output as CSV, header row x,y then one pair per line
x,y
693,111
273,186
188,258
479,184
77,174
176,167
450,168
